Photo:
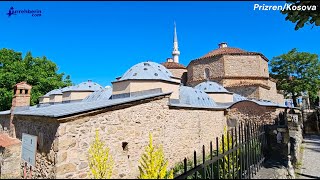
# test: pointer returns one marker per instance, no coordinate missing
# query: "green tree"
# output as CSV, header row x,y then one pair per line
x,y
301,17
297,72
39,72
153,164
100,161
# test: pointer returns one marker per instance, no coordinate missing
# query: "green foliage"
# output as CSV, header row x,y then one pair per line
x,y
232,160
41,73
153,164
303,17
100,161
297,72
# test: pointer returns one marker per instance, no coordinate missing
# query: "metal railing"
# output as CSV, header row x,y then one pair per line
x,y
237,155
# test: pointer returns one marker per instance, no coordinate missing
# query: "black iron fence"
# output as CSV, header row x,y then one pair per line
x,y
238,154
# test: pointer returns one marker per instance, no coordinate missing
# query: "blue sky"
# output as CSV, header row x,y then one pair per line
x,y
101,40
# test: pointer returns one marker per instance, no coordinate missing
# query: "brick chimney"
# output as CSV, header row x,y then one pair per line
x,y
21,96
20,100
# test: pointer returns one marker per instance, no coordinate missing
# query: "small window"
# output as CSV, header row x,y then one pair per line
x,y
20,91
26,91
206,73
156,74
135,74
125,146
145,69
146,64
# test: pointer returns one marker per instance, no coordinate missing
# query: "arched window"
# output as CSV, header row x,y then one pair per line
x,y
206,73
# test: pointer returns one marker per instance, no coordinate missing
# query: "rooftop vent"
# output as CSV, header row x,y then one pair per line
x,y
223,45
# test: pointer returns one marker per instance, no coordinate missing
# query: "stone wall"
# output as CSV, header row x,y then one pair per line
x,y
271,94
47,148
4,123
179,131
9,159
196,70
245,65
246,91
247,111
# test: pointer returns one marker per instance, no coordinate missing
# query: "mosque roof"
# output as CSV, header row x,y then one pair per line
x,y
195,97
147,70
84,86
238,97
211,87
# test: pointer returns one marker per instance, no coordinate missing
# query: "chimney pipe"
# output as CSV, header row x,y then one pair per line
x,y
223,45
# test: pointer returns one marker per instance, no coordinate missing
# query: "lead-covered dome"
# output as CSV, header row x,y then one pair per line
x,y
211,87
147,70
84,86
53,92
195,97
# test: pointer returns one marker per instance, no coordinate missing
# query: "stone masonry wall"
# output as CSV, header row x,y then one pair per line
x,y
4,123
247,111
271,94
47,144
196,70
248,91
179,131
245,65
9,158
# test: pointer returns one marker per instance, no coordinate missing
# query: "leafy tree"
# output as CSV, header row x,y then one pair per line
x,y
39,72
153,164
297,72
100,160
303,17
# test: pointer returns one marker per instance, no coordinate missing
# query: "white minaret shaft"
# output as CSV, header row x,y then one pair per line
x,y
175,52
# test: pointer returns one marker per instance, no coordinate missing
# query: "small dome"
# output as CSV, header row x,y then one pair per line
x,y
84,86
195,97
100,95
238,97
53,92
147,70
211,87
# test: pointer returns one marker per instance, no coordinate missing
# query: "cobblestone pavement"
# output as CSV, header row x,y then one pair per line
x,y
311,158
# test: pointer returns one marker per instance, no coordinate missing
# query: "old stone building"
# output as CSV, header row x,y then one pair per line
x,y
147,98
239,71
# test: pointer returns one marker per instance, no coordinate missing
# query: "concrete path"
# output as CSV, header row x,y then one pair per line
x,y
311,158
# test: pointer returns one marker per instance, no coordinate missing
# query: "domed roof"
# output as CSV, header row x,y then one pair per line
x,y
211,87
195,97
224,50
56,92
147,70
53,92
84,86
238,97
100,95
173,65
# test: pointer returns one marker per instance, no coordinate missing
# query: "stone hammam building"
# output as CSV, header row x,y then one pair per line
x,y
183,107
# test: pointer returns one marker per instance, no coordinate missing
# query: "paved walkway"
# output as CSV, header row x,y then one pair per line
x,y
311,158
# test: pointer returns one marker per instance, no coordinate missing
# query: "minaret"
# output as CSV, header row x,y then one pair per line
x,y
175,52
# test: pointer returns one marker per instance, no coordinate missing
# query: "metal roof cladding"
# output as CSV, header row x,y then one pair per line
x,y
195,97
100,95
238,97
147,70
210,87
84,86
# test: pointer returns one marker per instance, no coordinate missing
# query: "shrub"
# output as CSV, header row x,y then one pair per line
x,y
100,161
153,164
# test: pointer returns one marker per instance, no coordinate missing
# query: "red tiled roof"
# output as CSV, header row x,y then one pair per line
x,y
228,51
6,141
173,65
225,50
